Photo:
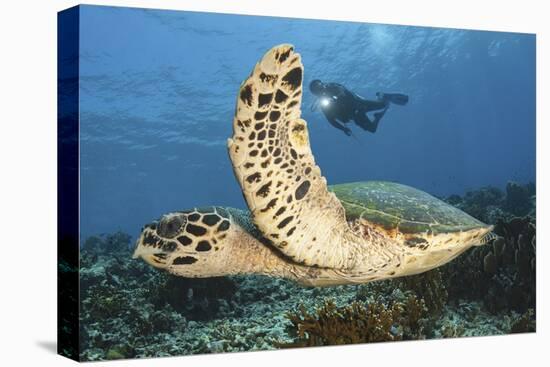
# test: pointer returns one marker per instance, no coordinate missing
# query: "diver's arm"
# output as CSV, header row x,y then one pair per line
x,y
338,125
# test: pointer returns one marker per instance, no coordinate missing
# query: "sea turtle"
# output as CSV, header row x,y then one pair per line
x,y
298,227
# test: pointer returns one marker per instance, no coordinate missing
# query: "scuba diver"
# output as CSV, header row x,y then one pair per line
x,y
340,105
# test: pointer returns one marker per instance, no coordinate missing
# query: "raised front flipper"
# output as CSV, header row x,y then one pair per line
x,y
273,163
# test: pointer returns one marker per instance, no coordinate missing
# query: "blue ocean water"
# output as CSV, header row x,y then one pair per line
x,y
158,91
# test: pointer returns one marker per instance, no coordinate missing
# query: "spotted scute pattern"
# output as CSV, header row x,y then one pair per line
x,y
273,163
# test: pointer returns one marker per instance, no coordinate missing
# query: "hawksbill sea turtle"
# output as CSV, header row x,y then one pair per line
x,y
297,226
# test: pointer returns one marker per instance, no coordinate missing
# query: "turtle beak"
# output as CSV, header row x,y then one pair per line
x,y
139,247
488,236
150,248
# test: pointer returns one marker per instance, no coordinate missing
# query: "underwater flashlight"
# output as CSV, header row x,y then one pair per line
x,y
325,102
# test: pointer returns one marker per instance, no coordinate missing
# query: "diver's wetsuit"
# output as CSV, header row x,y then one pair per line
x,y
344,106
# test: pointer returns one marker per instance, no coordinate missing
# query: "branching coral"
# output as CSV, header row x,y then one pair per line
x,y
525,323
517,246
428,286
357,323
502,274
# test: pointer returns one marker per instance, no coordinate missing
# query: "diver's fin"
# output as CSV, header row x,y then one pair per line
x,y
395,98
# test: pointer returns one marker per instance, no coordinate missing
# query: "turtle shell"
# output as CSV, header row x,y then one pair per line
x,y
399,207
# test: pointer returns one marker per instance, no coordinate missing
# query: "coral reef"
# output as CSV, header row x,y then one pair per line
x,y
130,310
355,323
489,204
525,323
428,286
519,198
501,274
480,203
125,302
107,243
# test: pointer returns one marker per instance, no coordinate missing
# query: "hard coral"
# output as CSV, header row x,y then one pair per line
x,y
478,203
502,274
428,286
356,323
518,198
525,323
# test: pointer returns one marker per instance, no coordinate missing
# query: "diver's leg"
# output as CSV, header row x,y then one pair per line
x,y
338,125
368,105
379,115
363,121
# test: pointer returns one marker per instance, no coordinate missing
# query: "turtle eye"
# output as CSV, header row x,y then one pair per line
x,y
170,225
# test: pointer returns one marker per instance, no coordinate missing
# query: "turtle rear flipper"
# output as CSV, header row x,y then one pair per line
x,y
273,163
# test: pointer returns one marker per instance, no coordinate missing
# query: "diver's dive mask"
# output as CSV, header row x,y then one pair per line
x,y
316,87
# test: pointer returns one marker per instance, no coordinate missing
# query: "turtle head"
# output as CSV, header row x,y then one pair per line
x,y
189,242
428,250
197,243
